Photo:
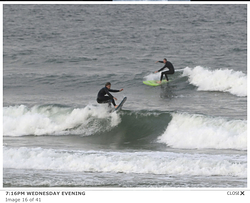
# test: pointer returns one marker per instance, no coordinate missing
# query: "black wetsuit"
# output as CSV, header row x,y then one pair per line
x,y
168,65
101,98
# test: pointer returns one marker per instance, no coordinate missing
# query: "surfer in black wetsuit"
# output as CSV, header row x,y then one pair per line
x,y
168,65
101,98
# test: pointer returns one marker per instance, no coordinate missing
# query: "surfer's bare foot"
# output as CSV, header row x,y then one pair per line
x,y
159,82
116,106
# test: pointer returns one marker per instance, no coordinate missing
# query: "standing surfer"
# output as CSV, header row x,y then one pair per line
x,y
168,65
101,98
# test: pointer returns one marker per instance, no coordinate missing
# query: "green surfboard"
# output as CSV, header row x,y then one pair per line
x,y
154,82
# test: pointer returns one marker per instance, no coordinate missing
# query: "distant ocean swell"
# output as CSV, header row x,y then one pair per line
x,y
125,162
176,130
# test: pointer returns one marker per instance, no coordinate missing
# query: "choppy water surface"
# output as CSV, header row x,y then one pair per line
x,y
191,132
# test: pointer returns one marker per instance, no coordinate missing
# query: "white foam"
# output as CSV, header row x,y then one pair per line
x,y
168,163
52,120
196,131
153,76
225,80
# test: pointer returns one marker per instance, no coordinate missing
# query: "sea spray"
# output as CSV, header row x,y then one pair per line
x,y
152,76
234,82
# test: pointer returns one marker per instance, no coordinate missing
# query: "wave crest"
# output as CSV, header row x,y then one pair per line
x,y
199,132
57,120
234,82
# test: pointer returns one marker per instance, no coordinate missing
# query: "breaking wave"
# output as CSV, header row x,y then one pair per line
x,y
125,162
234,82
57,120
199,132
176,130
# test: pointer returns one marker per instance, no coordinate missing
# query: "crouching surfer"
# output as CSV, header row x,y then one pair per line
x,y
168,65
102,98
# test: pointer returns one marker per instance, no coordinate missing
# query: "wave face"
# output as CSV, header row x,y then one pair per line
x,y
234,82
125,162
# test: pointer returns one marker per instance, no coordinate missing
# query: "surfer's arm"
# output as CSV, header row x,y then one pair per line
x,y
107,92
162,68
114,90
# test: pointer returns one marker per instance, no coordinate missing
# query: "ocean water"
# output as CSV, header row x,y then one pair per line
x,y
151,0
188,133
